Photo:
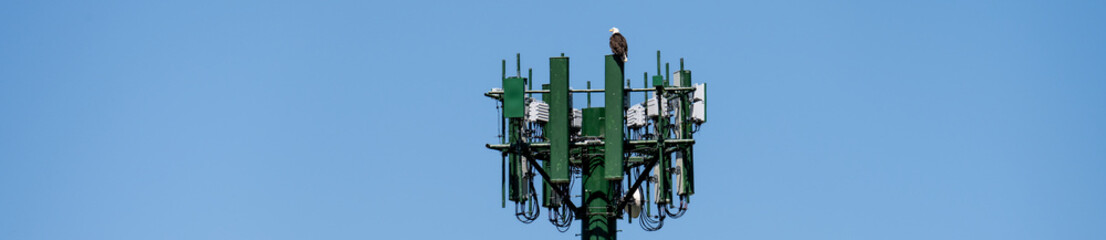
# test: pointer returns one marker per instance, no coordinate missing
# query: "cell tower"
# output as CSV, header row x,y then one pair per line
x,y
627,157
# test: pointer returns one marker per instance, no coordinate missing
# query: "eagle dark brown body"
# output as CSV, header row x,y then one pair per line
x,y
618,47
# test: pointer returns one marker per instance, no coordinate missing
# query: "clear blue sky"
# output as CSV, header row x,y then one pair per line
x,y
366,120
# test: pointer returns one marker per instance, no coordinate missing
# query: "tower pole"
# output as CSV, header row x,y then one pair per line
x,y
598,222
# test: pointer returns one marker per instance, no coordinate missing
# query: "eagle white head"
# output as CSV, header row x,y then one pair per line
x,y
613,30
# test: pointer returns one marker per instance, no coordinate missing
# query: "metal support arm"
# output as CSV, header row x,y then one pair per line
x,y
595,143
564,196
668,89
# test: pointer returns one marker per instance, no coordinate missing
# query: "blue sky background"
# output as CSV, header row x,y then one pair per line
x,y
366,120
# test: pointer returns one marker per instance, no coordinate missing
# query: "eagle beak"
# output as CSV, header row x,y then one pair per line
x,y
610,30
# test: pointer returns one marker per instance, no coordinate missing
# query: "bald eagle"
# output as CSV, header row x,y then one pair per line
x,y
618,45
